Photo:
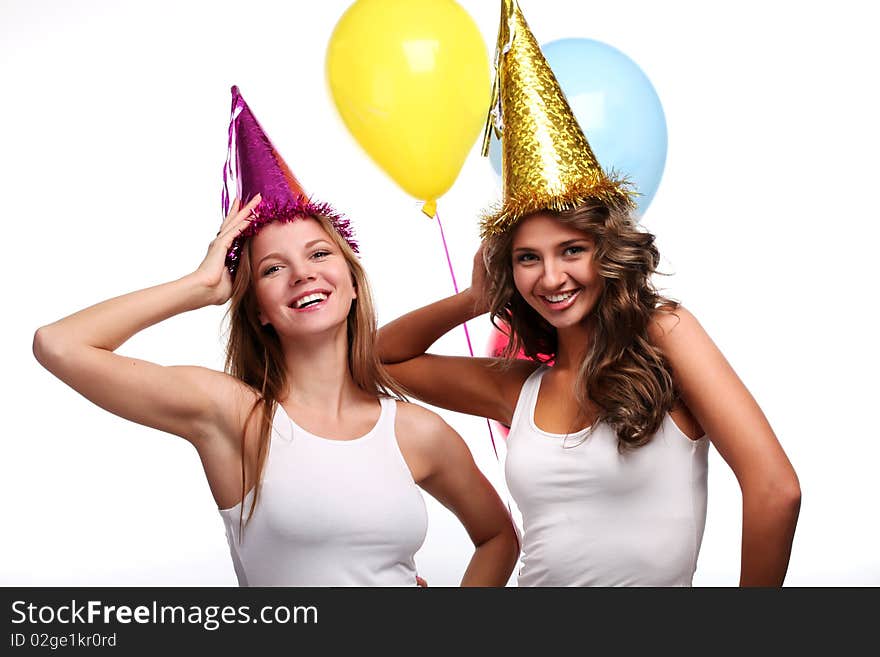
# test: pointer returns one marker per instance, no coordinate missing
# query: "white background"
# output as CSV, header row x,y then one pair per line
x,y
114,118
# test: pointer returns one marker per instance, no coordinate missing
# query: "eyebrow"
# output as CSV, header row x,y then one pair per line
x,y
308,245
267,256
559,246
313,242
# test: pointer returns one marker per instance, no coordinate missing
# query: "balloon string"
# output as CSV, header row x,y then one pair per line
x,y
464,325
452,274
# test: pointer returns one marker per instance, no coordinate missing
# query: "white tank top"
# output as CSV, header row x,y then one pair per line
x,y
595,517
331,512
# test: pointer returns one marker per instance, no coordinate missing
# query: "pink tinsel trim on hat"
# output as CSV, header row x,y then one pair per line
x,y
268,212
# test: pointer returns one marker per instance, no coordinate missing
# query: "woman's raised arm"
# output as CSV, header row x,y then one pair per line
x,y
475,386
187,401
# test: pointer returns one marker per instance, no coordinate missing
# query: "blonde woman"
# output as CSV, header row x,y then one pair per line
x,y
312,462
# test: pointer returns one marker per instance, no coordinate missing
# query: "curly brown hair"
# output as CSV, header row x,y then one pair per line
x,y
623,373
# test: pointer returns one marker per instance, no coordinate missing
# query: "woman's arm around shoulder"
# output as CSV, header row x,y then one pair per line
x,y
442,465
737,427
476,386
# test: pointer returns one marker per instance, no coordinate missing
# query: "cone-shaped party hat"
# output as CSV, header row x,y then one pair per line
x,y
546,160
253,166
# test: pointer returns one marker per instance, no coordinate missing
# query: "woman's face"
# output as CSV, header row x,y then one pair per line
x,y
301,279
554,270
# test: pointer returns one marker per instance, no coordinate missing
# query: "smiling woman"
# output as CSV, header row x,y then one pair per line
x,y
317,254
312,455
555,267
613,408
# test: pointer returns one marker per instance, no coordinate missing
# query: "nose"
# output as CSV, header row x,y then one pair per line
x,y
553,275
301,272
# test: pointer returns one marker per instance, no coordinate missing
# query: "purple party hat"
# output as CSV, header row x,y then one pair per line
x,y
253,166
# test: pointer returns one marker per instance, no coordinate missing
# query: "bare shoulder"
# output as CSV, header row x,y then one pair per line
x,y
687,348
672,323
419,424
427,442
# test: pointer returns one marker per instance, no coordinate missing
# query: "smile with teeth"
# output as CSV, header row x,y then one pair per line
x,y
561,300
309,300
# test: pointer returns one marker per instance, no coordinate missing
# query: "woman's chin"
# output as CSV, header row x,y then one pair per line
x,y
314,329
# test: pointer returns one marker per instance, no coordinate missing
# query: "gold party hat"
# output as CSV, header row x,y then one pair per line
x,y
546,160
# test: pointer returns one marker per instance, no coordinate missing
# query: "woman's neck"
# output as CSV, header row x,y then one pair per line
x,y
318,375
572,344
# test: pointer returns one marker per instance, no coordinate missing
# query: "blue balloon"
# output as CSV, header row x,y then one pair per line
x,y
616,107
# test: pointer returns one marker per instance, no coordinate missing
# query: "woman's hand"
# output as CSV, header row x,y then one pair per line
x,y
212,273
479,289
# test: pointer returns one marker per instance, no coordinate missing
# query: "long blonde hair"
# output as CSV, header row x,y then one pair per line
x,y
623,373
254,354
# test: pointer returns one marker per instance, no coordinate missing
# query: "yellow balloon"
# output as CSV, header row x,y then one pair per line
x,y
411,81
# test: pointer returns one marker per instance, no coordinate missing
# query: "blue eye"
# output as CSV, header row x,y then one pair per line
x,y
271,270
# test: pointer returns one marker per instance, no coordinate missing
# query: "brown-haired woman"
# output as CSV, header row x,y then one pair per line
x,y
312,462
611,414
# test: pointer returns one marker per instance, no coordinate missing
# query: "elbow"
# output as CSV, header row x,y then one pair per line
x,y
392,346
384,347
792,498
504,545
42,345
787,491
381,347
779,493
47,347
511,541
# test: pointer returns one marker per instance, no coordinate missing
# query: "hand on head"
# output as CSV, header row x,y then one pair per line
x,y
212,272
479,290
